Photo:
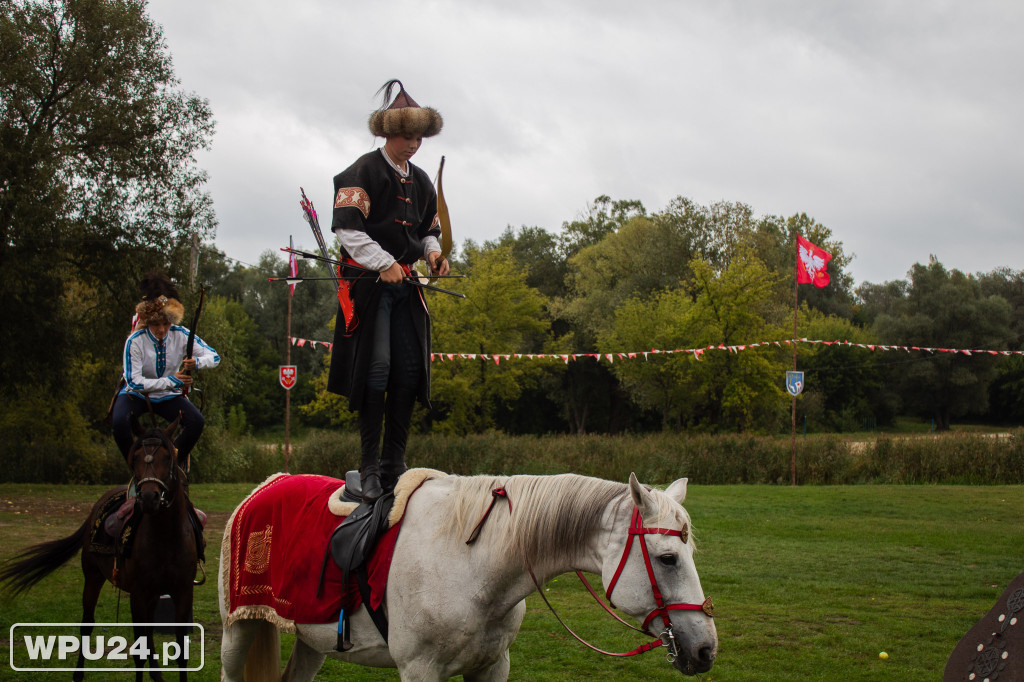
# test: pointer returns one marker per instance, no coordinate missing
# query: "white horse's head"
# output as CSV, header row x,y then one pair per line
x,y
651,554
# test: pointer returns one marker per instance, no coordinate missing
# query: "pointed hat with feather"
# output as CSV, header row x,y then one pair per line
x,y
403,116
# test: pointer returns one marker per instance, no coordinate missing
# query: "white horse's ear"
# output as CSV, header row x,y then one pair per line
x,y
677,491
641,496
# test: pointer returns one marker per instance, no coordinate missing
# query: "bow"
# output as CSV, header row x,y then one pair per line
x,y
190,346
442,215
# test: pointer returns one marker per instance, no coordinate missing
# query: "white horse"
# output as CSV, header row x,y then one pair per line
x,y
455,608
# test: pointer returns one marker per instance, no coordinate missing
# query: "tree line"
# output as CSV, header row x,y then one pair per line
x,y
99,184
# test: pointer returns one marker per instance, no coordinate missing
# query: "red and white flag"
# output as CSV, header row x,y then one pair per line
x,y
810,263
293,265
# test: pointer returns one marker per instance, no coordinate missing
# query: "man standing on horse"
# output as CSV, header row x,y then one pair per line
x,y
157,371
385,217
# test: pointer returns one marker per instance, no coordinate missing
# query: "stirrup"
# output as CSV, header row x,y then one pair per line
x,y
202,568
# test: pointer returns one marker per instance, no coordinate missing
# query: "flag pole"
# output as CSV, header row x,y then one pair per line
x,y
288,361
796,269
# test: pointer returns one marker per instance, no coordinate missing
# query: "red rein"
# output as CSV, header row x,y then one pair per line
x,y
636,528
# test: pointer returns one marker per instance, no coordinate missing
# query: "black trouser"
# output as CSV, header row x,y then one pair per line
x,y
128,408
391,386
395,362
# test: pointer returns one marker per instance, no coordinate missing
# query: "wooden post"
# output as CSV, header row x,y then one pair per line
x,y
287,393
792,462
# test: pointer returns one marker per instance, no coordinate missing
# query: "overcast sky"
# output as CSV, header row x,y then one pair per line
x,y
896,124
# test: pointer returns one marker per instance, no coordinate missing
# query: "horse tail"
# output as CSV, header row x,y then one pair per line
x,y
263,664
38,561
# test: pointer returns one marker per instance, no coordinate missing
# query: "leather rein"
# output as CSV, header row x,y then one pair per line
x,y
667,637
149,446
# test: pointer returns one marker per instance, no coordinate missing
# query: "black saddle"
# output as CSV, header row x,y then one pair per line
x,y
350,545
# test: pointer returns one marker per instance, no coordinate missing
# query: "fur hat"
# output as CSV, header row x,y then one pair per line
x,y
403,116
160,301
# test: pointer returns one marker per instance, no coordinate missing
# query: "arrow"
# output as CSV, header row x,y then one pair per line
x,y
334,261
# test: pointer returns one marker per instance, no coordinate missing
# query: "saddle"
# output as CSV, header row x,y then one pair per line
x,y
350,545
114,528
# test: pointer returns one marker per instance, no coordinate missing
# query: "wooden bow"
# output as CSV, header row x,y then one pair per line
x,y
442,215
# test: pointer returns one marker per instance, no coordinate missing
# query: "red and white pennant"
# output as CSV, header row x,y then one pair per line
x,y
695,352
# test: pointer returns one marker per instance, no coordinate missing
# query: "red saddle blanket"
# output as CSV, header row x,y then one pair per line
x,y
279,535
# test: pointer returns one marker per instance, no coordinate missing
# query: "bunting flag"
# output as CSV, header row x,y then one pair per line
x,y
697,353
811,262
293,265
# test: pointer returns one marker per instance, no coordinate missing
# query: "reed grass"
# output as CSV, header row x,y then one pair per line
x,y
951,458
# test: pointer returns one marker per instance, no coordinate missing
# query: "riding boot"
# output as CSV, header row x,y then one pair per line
x,y
397,417
371,416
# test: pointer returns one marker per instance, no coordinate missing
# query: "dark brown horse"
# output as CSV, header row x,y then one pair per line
x,y
162,558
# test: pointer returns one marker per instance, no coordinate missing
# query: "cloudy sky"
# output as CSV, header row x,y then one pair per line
x,y
896,124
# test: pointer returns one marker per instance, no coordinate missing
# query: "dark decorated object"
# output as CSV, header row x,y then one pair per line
x,y
993,650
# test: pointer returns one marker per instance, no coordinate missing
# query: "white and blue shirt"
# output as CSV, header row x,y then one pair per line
x,y
150,364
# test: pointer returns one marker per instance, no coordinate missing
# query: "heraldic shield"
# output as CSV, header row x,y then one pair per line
x,y
287,376
794,382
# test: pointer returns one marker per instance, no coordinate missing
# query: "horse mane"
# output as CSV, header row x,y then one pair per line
x,y
552,517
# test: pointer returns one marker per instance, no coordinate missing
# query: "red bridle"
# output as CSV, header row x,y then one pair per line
x,y
636,527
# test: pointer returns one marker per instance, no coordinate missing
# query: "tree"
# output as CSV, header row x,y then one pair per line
x,y
501,315
98,180
265,346
875,300
98,184
774,241
946,309
603,218
1006,395
738,391
537,252
720,390
846,387
638,259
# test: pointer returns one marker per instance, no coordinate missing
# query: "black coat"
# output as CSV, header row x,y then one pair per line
x,y
397,213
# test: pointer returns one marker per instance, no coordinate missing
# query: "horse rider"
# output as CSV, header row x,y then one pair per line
x,y
156,370
385,217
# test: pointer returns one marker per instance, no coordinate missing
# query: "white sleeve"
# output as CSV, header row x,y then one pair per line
x,y
364,250
206,357
430,243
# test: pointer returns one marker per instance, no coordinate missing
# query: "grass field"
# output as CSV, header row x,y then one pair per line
x,y
809,583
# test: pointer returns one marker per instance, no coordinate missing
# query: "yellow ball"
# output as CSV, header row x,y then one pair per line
x,y
882,655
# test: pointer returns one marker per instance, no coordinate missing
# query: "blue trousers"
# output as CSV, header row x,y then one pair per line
x,y
128,408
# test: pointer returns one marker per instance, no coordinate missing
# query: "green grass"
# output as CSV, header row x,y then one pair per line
x,y
809,583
